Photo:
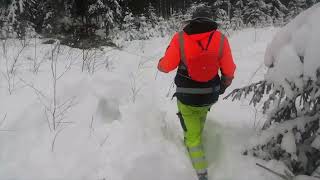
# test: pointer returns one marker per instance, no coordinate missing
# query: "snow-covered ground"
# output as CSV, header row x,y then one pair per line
x,y
119,122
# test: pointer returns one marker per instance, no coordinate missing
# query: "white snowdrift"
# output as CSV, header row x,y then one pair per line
x,y
107,135
293,55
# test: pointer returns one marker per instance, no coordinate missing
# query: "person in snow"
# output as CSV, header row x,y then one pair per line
x,y
199,52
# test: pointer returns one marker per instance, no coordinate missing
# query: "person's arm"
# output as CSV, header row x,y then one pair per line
x,y
171,59
227,66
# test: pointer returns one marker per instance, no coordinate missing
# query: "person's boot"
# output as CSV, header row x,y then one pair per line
x,y
203,176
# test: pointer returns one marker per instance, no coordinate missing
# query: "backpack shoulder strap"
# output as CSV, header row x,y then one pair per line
x,y
199,43
221,44
182,49
209,40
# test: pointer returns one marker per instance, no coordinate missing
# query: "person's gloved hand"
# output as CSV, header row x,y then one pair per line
x,y
225,83
222,89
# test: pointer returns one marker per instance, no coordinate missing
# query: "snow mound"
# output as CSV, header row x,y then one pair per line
x,y
288,143
296,49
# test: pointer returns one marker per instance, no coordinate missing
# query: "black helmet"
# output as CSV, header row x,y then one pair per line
x,y
202,12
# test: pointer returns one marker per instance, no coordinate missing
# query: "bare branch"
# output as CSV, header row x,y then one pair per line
x,y
66,102
47,118
35,89
104,140
276,173
61,112
54,139
16,58
91,124
3,119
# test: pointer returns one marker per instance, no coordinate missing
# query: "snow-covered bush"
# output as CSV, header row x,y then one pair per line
x,y
290,95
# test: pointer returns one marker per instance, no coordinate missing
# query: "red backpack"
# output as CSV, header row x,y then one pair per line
x,y
200,67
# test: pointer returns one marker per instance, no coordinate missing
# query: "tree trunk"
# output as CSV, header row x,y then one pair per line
x,y
106,24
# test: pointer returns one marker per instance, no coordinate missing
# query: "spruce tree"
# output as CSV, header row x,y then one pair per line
x,y
255,13
106,13
35,11
277,12
151,15
237,15
223,9
295,7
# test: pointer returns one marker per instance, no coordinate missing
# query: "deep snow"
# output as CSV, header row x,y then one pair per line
x,y
122,123
295,47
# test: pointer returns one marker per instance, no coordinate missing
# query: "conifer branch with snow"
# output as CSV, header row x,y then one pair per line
x,y
290,95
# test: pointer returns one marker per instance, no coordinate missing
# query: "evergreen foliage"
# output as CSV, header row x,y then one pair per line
x,y
297,117
291,117
296,7
255,13
237,17
103,18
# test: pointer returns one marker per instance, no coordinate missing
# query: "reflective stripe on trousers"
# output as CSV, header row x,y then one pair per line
x,y
198,158
193,119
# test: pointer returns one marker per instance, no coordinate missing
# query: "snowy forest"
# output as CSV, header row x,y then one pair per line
x,y
81,96
112,19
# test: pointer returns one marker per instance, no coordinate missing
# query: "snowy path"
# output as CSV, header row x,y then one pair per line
x,y
124,125
237,120
229,125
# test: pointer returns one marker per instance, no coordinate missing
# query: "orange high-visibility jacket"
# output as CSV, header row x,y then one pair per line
x,y
172,57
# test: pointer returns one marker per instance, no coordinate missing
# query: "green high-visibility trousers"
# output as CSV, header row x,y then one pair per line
x,y
192,121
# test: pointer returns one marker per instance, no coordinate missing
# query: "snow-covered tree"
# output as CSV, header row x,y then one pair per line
x,y
99,17
14,9
312,2
151,15
237,19
277,11
295,7
19,25
35,14
254,13
144,27
3,11
223,13
290,96
129,28
106,13
35,11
